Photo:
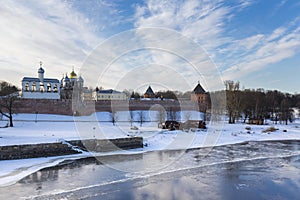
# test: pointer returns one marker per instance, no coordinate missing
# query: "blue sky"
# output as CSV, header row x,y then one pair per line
x,y
256,42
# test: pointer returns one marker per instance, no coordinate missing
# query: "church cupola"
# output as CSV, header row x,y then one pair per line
x,y
80,81
66,81
41,72
73,74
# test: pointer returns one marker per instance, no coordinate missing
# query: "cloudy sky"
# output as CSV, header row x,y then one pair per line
x,y
256,42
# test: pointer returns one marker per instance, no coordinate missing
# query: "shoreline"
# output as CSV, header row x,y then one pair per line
x,y
25,151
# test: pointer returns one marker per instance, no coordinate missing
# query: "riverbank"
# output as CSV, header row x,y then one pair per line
x,y
26,151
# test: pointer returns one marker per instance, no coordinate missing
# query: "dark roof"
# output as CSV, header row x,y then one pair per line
x,y
149,91
110,91
199,89
30,79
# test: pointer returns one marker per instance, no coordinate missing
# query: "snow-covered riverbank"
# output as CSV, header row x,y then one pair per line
x,y
54,128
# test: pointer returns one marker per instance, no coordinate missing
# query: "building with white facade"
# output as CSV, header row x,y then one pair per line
x,y
108,95
40,87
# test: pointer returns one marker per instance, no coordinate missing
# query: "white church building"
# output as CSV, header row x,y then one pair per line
x,y
40,87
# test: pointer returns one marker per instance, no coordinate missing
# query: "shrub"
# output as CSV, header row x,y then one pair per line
x,y
270,129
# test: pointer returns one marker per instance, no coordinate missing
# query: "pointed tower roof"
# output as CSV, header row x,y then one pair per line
x,y
199,89
149,91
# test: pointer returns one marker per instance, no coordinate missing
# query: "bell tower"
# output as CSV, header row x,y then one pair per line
x,y
41,72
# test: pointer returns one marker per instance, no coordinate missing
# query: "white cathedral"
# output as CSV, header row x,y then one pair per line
x,y
40,87
50,88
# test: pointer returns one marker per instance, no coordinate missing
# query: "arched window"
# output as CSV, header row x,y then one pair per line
x,y
26,87
33,89
41,87
48,87
55,88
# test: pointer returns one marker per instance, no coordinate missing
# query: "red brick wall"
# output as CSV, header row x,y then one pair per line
x,y
64,106
45,106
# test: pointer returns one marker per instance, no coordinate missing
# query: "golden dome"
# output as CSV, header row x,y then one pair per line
x,y
73,74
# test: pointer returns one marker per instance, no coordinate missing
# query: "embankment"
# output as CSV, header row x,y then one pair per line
x,y
67,148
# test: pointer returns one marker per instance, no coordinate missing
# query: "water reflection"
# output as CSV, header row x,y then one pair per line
x,y
181,188
256,179
238,180
41,176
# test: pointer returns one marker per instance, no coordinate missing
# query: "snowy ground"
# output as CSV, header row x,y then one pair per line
x,y
54,128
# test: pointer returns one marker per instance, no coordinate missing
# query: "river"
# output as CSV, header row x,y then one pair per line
x,y
249,170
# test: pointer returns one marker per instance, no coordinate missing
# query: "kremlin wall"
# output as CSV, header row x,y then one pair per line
x,y
65,106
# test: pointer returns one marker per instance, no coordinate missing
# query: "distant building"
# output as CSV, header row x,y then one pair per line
x,y
40,87
149,93
199,95
69,83
108,95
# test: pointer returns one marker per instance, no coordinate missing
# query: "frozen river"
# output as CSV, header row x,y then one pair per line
x,y
250,170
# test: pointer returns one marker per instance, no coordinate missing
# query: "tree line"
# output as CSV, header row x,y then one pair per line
x,y
258,104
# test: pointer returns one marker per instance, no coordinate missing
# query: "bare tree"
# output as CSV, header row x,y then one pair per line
x,y
114,117
286,112
141,116
218,104
135,95
127,92
131,117
172,114
8,96
233,101
161,115
188,115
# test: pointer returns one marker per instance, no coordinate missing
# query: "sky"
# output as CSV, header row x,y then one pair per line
x,y
133,44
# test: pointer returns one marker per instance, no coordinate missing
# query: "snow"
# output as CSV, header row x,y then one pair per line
x,y
56,128
13,170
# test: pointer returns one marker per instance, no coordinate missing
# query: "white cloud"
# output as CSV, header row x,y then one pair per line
x,y
277,33
147,55
51,31
250,42
202,21
282,43
282,2
206,22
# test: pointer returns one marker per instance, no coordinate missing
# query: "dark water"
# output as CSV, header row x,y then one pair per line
x,y
253,170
